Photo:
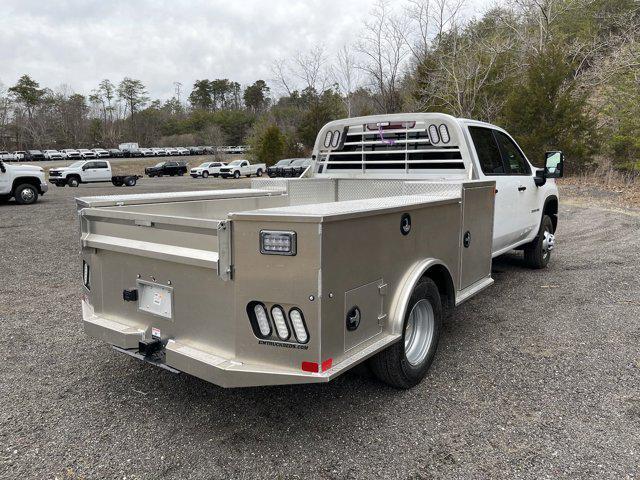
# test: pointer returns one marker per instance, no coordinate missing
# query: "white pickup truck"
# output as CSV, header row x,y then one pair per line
x,y
238,168
297,280
89,171
22,182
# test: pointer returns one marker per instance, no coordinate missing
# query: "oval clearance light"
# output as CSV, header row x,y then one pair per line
x,y
433,134
281,324
299,327
262,319
444,133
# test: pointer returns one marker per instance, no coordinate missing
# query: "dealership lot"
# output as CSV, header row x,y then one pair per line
x,y
539,376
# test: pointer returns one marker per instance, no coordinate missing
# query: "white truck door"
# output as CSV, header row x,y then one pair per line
x,y
89,173
528,202
506,203
103,172
245,168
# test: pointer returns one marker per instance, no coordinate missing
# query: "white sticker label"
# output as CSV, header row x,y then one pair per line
x,y
157,298
155,332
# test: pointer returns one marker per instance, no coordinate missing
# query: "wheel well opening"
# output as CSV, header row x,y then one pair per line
x,y
29,180
441,277
551,209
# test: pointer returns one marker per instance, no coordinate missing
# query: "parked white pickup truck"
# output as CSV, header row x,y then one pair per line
x,y
89,171
22,182
207,168
298,280
238,168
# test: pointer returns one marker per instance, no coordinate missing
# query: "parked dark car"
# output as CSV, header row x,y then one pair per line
x,y
196,150
116,153
33,155
276,170
166,168
296,168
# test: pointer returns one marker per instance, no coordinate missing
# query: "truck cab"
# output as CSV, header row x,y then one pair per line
x,y
448,149
24,183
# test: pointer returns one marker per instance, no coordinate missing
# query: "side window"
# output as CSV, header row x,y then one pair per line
x,y
101,165
244,164
487,150
512,156
89,165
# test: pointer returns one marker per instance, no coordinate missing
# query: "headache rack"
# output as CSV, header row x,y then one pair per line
x,y
405,146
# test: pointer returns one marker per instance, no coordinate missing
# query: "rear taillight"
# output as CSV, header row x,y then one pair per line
x,y
299,327
262,322
280,322
259,319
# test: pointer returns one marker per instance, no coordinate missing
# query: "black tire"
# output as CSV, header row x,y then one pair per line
x,y
392,365
117,183
131,182
236,174
215,175
73,182
259,173
536,253
180,174
25,194
205,174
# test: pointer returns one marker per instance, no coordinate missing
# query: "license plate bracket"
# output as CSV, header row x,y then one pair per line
x,y
155,299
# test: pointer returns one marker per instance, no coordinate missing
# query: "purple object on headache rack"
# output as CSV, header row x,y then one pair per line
x,y
388,142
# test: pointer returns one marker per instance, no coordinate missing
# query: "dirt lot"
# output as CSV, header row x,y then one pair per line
x,y
538,377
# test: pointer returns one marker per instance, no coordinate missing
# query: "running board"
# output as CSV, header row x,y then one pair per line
x,y
470,291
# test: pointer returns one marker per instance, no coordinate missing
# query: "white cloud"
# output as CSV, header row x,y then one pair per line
x,y
80,42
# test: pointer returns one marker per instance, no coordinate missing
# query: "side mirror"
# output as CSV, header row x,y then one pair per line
x,y
2,167
554,164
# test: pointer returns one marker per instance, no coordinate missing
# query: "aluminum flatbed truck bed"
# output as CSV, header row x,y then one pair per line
x,y
196,269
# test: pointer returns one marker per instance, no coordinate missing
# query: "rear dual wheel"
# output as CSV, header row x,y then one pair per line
x,y
405,363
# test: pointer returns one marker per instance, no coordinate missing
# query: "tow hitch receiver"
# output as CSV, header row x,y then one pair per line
x,y
149,347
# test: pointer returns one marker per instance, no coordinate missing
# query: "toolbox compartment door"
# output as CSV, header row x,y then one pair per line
x,y
476,236
365,305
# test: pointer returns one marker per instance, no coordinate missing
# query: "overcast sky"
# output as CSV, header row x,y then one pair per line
x,y
80,42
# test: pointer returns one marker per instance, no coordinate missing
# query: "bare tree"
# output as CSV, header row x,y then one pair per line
x,y
346,76
384,51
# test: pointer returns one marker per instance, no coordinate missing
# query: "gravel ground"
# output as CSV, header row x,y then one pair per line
x,y
537,377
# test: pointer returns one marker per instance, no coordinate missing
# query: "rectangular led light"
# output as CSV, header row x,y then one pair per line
x,y
277,243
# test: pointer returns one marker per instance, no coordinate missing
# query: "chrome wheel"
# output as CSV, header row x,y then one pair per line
x,y
418,333
548,243
27,195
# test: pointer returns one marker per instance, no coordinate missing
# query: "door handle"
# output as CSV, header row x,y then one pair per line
x,y
522,189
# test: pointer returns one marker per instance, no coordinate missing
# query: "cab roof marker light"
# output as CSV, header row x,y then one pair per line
x,y
277,314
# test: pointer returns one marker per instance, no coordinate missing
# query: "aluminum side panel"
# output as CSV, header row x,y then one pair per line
x,y
358,251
